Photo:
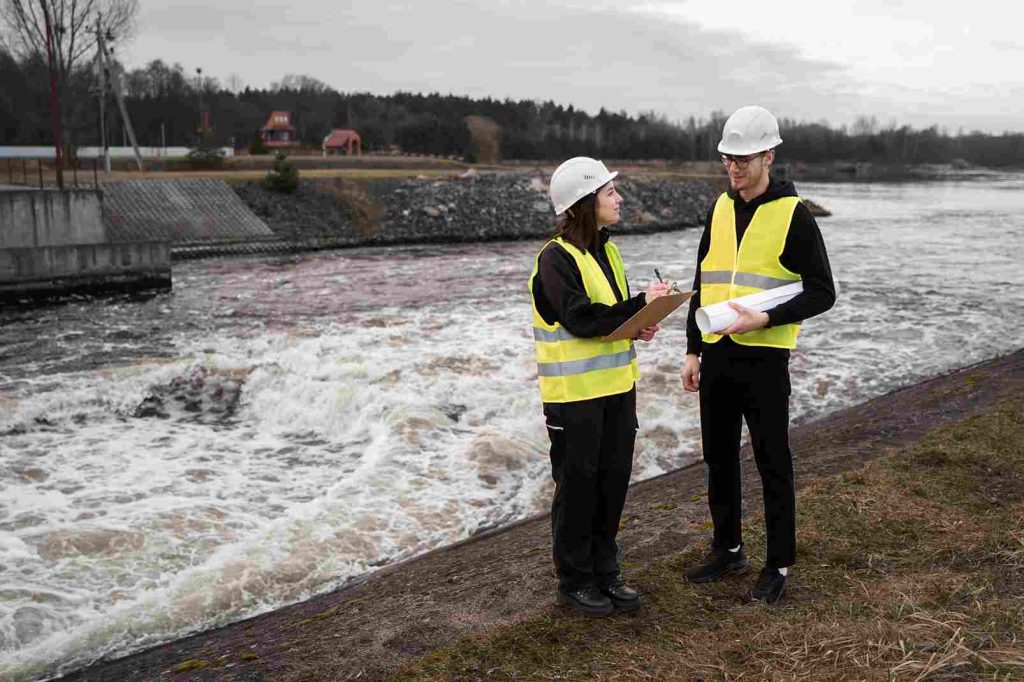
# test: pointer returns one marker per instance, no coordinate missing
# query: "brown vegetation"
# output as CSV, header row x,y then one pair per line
x,y
365,212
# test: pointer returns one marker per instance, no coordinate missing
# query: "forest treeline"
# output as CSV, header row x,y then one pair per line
x,y
164,102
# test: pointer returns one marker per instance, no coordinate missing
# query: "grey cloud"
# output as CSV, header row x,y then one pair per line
x,y
604,55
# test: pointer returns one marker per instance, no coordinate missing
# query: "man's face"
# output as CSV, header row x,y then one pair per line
x,y
746,172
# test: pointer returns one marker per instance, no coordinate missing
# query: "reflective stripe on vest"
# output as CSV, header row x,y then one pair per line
x,y
730,270
570,368
743,279
563,369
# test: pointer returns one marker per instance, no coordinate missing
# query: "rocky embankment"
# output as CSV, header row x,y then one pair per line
x,y
470,207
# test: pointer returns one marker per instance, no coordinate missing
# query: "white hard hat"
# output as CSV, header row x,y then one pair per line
x,y
575,179
749,130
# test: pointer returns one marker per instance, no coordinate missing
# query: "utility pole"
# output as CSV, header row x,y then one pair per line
x,y
58,139
119,96
101,72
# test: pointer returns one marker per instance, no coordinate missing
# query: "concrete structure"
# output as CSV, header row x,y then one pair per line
x,y
185,211
342,139
54,243
278,131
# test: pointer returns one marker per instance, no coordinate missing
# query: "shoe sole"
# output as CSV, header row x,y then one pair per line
x,y
769,601
586,611
731,569
626,606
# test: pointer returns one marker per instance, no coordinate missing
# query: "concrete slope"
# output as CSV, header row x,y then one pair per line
x,y
185,211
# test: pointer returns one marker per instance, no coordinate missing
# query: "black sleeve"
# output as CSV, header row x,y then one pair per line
x,y
560,294
694,342
804,253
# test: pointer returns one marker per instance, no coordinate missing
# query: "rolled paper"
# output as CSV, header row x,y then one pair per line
x,y
714,318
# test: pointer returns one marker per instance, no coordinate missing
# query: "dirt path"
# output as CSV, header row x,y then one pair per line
x,y
368,629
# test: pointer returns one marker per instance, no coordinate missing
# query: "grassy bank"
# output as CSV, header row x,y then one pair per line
x,y
910,568
911,551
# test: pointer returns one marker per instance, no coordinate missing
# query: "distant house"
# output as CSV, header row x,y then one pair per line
x,y
278,131
341,139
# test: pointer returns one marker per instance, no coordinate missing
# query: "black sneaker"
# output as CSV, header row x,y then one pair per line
x,y
623,597
770,586
587,601
720,564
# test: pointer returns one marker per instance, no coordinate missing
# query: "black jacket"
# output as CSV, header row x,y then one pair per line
x,y
804,253
561,296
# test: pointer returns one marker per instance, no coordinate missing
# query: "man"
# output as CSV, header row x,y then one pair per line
x,y
758,236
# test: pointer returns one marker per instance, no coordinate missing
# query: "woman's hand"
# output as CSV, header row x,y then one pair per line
x,y
656,290
691,374
647,333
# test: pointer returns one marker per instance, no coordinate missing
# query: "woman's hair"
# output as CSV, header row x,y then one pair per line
x,y
578,225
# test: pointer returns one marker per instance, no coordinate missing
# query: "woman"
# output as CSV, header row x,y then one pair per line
x,y
580,294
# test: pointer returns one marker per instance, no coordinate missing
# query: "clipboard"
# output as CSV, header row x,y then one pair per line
x,y
652,313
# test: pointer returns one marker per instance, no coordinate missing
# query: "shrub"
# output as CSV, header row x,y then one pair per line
x,y
284,178
208,157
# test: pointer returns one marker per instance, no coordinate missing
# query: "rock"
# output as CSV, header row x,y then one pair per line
x,y
494,206
817,210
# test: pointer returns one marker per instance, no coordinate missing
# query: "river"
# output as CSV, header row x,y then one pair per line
x,y
277,425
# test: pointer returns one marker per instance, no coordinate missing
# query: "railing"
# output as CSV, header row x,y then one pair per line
x,y
42,173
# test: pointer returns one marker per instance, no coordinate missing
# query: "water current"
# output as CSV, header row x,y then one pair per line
x,y
278,425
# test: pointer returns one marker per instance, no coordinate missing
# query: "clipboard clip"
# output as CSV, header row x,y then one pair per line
x,y
673,288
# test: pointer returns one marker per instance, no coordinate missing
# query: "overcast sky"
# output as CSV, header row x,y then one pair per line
x,y
955,65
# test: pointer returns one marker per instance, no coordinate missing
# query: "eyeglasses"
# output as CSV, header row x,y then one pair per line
x,y
741,161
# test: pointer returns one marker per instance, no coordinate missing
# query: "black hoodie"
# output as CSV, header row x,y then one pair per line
x,y
561,297
804,253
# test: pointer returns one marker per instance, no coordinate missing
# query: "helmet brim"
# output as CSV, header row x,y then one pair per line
x,y
745,150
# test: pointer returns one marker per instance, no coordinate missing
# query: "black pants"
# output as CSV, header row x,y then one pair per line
x,y
591,459
734,387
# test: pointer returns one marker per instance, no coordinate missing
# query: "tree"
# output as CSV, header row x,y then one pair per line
x,y
284,179
234,83
22,27
300,82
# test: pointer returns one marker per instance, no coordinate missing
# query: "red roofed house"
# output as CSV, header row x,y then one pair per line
x,y
342,139
278,132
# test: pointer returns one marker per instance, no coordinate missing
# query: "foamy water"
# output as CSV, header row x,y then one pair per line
x,y
276,426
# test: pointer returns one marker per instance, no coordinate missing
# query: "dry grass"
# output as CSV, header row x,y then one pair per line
x,y
910,568
365,212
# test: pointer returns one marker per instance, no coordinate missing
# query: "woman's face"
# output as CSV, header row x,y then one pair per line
x,y
608,202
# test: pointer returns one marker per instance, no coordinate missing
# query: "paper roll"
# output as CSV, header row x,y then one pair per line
x,y
714,318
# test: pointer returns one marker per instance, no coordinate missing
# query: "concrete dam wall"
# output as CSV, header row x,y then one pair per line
x,y
55,242
186,212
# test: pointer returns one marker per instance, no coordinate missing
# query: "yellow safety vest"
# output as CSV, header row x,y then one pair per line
x,y
571,368
729,271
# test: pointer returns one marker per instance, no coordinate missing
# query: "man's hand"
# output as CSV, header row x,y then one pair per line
x,y
647,333
691,374
748,320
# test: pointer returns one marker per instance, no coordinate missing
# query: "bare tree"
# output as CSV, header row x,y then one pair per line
x,y
234,83
22,27
300,82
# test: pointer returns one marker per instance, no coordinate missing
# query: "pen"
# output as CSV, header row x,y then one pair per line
x,y
658,275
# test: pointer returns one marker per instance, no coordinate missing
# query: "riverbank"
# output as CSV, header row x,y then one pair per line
x,y
910,562
467,207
